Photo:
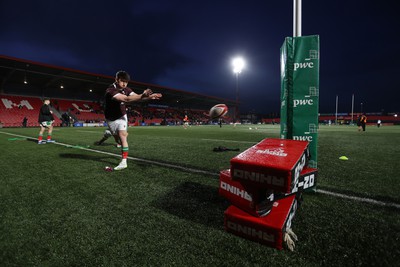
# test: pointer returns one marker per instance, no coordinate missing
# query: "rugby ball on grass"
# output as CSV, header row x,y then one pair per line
x,y
218,111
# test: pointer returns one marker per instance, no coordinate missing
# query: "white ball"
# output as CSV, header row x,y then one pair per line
x,y
218,111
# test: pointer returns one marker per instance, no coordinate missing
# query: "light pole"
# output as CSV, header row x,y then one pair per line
x,y
238,65
352,108
337,101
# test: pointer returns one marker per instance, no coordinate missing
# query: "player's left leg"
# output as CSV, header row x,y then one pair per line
x,y
40,138
123,136
49,132
118,141
106,135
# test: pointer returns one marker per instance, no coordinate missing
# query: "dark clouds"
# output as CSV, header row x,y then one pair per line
x,y
97,36
189,45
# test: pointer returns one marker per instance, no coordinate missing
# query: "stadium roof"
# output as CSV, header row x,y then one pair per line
x,y
48,80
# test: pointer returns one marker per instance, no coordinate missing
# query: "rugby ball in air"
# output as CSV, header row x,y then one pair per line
x,y
218,111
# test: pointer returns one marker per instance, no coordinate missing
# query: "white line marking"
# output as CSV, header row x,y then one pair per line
x,y
92,132
187,169
360,199
219,140
234,141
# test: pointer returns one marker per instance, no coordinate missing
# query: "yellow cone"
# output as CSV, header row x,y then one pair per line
x,y
344,158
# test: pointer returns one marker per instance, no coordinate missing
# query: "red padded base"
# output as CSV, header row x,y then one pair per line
x,y
272,163
268,230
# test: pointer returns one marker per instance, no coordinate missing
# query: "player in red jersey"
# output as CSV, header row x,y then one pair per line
x,y
185,121
115,110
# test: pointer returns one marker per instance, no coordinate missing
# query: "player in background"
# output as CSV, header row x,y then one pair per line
x,y
115,110
46,120
107,134
220,122
362,122
185,122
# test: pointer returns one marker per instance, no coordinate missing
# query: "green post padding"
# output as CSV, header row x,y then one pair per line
x,y
300,91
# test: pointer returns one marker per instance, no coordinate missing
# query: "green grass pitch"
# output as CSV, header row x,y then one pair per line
x,y
58,207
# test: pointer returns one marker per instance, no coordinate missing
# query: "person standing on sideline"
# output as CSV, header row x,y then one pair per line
x,y
117,94
185,121
46,120
65,119
24,122
378,123
362,122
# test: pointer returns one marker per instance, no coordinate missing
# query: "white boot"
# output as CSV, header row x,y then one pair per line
x,y
122,165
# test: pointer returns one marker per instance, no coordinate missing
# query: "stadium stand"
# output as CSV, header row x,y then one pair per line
x,y
13,109
81,92
84,111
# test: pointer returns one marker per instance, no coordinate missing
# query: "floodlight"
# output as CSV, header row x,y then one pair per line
x,y
238,64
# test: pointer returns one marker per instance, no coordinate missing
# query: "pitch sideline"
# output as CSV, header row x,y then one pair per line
x,y
188,169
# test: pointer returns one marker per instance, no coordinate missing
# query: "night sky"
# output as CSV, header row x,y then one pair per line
x,y
189,45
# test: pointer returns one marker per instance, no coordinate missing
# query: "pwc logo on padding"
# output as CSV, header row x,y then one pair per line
x,y
308,138
303,65
307,64
308,99
303,102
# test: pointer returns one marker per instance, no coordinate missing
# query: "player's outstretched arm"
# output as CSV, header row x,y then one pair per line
x,y
152,96
133,96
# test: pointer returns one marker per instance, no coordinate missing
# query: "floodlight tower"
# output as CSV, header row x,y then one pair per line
x,y
238,65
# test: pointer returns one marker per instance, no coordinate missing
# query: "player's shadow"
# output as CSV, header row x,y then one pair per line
x,y
104,159
195,202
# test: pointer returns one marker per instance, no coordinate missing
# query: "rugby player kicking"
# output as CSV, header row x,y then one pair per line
x,y
115,110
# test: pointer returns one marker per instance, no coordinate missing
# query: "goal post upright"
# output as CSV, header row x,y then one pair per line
x,y
300,86
296,18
